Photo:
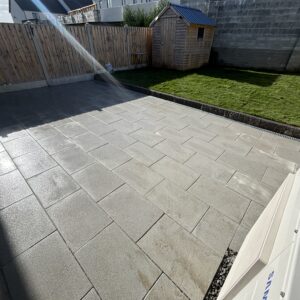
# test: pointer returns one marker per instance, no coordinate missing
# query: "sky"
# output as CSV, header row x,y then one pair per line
x,y
5,16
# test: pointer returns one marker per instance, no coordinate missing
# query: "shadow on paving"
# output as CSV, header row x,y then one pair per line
x,y
30,108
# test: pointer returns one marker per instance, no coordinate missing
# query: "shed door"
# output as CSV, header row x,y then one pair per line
x,y
168,27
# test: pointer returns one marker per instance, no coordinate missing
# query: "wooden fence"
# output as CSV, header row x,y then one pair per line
x,y
40,53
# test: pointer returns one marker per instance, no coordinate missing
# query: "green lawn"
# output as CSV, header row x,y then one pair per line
x,y
269,95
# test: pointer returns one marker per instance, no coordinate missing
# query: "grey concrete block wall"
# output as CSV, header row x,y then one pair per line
x,y
258,34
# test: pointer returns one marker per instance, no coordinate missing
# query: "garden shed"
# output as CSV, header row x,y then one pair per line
x,y
182,38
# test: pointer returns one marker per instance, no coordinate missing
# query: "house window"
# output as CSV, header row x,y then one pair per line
x,y
200,33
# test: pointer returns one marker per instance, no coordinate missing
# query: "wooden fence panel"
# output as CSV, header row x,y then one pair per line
x,y
18,57
39,52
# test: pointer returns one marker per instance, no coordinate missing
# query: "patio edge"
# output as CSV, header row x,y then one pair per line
x,y
288,130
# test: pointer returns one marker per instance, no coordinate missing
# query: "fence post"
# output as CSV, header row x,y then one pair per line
x,y
88,29
40,53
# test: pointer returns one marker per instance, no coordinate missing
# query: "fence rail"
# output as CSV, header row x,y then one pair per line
x,y
39,52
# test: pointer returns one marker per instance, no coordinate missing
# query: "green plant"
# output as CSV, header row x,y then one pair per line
x,y
138,17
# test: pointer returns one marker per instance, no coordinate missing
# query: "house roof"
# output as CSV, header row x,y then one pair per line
x,y
53,5
193,16
190,15
74,4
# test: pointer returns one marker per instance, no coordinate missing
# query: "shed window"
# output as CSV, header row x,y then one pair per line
x,y
200,33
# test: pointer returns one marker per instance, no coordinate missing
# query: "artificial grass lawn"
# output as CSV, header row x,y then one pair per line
x,y
269,95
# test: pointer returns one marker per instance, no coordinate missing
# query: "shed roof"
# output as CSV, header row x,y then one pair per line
x,y
53,5
193,16
190,15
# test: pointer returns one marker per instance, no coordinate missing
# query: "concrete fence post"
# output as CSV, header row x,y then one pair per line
x,y
40,53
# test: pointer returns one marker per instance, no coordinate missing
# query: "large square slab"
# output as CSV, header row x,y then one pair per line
x,y
21,146
186,260
97,181
178,173
178,204
6,164
49,271
110,156
73,159
116,266
134,214
215,230
78,219
141,178
25,223
56,143
34,163
13,187
52,186
223,199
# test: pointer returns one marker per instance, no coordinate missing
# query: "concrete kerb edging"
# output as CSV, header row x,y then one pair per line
x,y
288,130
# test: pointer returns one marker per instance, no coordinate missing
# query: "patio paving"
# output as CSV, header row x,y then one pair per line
x,y
111,194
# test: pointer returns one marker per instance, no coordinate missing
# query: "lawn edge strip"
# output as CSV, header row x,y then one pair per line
x,y
285,129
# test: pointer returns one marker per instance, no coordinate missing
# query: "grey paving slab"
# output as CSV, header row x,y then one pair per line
x,y
60,121
289,154
178,204
272,161
147,137
111,255
6,164
210,168
49,271
141,178
98,181
42,131
78,218
178,173
115,109
91,295
209,150
89,141
251,188
73,159
107,117
125,126
173,135
215,230
245,165
274,178
56,143
237,146
52,186
174,122
13,187
195,120
165,289
259,143
149,125
100,128
34,163
110,156
246,129
143,153
223,199
12,132
119,139
198,132
25,224
252,214
131,211
130,116
238,238
175,150
213,119
222,131
181,256
21,146
71,129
